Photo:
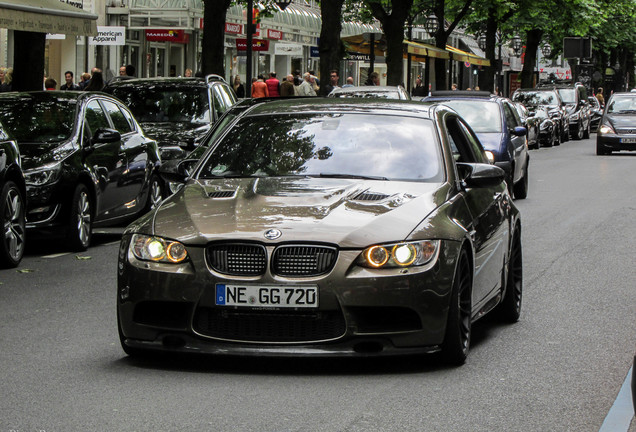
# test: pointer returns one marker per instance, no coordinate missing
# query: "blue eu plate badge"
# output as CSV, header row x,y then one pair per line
x,y
220,294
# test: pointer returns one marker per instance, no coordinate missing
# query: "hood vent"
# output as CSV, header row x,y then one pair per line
x,y
370,196
222,194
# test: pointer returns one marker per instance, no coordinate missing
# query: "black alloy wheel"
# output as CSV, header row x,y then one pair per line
x,y
579,131
12,214
509,309
557,137
565,133
80,223
458,327
155,194
586,132
521,187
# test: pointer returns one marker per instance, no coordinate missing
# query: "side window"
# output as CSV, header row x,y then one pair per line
x,y
95,116
460,146
129,118
474,143
217,101
119,121
228,94
512,120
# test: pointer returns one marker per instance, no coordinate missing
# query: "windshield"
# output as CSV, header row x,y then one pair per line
x,y
156,104
328,145
536,98
369,94
622,105
482,116
568,95
33,119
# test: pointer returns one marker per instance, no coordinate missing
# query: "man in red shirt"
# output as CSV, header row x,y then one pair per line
x,y
273,85
259,88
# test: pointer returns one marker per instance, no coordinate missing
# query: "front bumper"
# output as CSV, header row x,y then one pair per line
x,y
616,142
362,311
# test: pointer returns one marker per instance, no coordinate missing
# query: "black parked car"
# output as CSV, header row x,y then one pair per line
x,y
86,161
176,112
531,123
533,98
577,107
12,202
618,125
548,129
596,112
498,126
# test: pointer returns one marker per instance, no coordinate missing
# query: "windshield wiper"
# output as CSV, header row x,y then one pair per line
x,y
348,176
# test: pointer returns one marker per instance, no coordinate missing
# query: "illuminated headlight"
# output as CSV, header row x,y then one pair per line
x,y
157,249
42,176
606,129
399,254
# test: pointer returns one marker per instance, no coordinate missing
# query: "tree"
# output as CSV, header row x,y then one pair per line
x,y
330,46
213,43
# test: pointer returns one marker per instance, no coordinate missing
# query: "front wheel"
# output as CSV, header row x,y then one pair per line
x,y
586,132
458,327
80,226
155,194
601,150
12,216
521,187
578,135
510,307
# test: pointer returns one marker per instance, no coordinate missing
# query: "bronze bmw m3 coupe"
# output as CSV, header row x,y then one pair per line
x,y
326,227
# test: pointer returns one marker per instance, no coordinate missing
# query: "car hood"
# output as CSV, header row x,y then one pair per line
x,y
618,121
35,155
350,213
491,141
175,134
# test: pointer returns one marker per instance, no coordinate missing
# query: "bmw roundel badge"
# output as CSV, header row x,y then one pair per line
x,y
272,234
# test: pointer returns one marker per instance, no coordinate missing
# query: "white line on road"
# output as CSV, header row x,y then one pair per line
x,y
57,255
620,415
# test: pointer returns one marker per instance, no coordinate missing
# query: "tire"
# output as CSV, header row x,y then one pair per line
x,y
578,135
80,221
565,134
458,327
557,138
550,142
509,310
155,194
12,216
586,132
521,187
601,150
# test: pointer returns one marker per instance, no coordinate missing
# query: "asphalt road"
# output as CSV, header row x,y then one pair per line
x,y
559,368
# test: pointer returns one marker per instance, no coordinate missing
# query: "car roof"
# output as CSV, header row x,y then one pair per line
x,y
342,106
374,89
165,81
44,95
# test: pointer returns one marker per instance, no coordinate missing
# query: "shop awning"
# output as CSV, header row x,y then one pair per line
x,y
420,50
361,44
46,16
467,57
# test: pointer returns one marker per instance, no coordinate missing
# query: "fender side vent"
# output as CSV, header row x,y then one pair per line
x,y
370,196
222,194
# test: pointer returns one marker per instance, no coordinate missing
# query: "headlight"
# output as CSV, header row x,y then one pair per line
x,y
399,254
606,129
157,249
42,176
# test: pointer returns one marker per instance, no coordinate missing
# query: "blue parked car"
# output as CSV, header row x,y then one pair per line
x,y
497,124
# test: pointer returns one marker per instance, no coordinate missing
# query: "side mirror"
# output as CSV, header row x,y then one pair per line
x,y
480,175
177,171
519,131
105,136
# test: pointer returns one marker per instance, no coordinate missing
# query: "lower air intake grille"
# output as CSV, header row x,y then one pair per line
x,y
237,259
302,261
263,326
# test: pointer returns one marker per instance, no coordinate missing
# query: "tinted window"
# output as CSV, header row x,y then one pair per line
x,y
166,104
482,116
388,146
622,105
535,98
512,119
369,94
568,95
119,121
41,120
95,116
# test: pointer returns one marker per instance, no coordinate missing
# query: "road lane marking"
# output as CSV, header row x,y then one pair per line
x,y
620,415
57,255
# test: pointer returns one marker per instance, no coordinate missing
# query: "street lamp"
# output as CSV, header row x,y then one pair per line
x,y
516,44
431,24
282,4
481,41
546,50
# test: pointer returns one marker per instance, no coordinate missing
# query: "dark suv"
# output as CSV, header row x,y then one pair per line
x,y
176,112
532,98
497,124
574,97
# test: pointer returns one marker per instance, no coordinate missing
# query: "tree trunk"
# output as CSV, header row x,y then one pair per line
x,y
213,43
330,47
488,74
28,61
533,38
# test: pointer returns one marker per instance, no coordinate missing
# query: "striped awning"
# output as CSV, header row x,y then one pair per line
x,y
467,57
418,49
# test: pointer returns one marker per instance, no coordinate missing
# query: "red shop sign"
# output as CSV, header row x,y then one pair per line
x,y
257,45
176,36
274,34
233,28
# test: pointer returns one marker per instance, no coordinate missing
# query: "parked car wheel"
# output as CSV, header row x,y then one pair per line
x,y
12,211
155,193
510,307
80,226
601,150
557,138
579,132
521,187
458,328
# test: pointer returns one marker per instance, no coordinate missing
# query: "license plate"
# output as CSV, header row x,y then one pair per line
x,y
628,140
288,296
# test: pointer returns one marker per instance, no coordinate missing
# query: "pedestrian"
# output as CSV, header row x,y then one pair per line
x,y
50,84
273,85
188,73
69,84
334,77
5,82
287,87
349,82
374,79
130,70
96,82
238,87
454,86
599,96
85,78
122,71
259,88
306,88
419,89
